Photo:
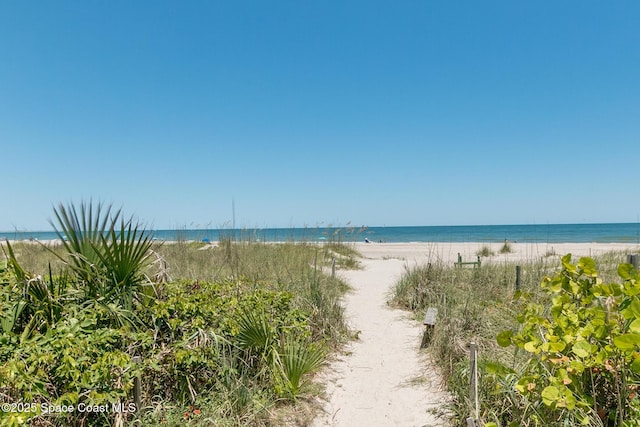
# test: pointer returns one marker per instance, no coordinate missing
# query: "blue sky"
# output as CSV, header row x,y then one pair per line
x,y
314,113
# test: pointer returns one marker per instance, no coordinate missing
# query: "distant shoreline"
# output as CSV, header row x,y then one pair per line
x,y
447,252
424,252
626,233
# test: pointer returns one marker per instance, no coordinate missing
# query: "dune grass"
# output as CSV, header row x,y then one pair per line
x,y
485,251
506,248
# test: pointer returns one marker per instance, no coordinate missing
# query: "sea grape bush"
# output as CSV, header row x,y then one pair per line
x,y
583,347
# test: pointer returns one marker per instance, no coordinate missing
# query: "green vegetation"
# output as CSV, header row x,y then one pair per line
x,y
485,251
225,335
506,248
563,353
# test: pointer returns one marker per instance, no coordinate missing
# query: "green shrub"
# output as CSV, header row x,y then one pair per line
x,y
583,348
73,363
474,305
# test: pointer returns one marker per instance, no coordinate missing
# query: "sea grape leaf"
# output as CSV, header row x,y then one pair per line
x,y
581,349
635,326
531,347
550,395
557,346
632,311
625,271
566,263
602,290
627,341
569,400
504,338
588,266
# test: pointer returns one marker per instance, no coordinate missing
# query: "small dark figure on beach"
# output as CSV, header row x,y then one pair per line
x,y
366,240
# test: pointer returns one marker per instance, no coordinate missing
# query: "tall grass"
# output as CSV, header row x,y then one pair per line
x,y
474,305
303,269
300,268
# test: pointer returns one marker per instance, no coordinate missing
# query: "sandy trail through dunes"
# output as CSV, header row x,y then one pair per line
x,y
383,378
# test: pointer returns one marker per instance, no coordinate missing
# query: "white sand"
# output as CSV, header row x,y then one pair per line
x,y
448,252
384,379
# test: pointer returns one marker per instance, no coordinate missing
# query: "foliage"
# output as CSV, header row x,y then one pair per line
x,y
71,364
107,253
485,251
584,347
506,248
295,359
477,305
222,351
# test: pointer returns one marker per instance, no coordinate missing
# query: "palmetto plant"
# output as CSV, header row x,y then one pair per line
x,y
296,359
35,303
257,335
287,360
107,253
106,256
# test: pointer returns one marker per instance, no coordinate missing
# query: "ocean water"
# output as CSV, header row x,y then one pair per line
x,y
532,233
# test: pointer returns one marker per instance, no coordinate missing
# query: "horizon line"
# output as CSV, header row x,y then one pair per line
x,y
329,226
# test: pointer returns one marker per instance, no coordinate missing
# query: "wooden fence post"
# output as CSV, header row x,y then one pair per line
x,y
633,259
137,387
517,278
333,267
473,379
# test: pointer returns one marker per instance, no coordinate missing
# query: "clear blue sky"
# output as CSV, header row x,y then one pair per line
x,y
321,112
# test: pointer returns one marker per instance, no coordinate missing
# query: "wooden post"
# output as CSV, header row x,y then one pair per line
x,y
517,278
633,259
444,305
473,379
429,322
333,267
137,387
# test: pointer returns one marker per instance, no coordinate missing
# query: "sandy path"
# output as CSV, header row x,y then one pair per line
x,y
383,378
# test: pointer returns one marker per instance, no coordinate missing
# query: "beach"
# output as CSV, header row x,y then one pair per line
x,y
447,252
384,377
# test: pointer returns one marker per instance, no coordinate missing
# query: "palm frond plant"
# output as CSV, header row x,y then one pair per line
x,y
296,359
256,335
107,253
80,232
10,317
124,253
34,302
